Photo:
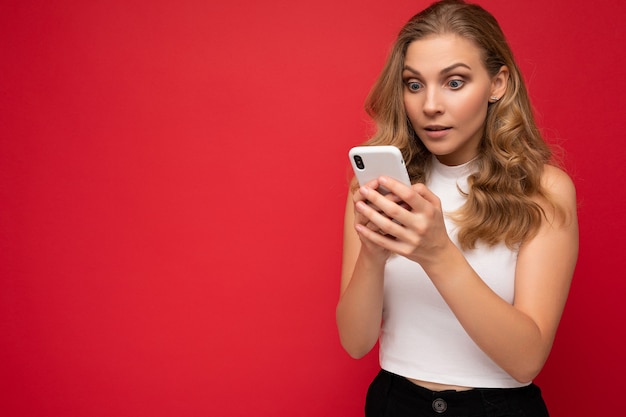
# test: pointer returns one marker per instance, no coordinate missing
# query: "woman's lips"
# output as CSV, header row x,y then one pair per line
x,y
436,132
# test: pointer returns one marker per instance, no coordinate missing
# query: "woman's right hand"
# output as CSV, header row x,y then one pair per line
x,y
361,205
363,210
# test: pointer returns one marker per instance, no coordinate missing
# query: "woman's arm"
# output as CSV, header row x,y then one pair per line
x,y
360,307
517,337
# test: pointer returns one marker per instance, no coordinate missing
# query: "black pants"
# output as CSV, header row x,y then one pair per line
x,y
391,395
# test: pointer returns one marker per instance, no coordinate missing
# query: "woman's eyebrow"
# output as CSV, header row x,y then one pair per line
x,y
443,71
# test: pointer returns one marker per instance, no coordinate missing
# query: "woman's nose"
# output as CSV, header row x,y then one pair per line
x,y
432,103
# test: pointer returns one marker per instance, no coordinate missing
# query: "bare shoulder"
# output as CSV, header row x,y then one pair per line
x,y
560,191
556,181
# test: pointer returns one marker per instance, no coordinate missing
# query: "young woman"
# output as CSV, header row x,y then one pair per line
x,y
464,284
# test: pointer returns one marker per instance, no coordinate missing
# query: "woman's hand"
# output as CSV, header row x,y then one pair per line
x,y
414,229
363,210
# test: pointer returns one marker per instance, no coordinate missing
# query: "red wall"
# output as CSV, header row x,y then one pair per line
x,y
172,184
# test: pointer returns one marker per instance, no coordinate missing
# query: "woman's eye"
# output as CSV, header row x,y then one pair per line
x,y
455,84
413,86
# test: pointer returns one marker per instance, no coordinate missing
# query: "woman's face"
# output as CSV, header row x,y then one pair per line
x,y
446,93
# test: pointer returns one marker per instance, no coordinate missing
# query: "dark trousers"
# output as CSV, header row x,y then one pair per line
x,y
391,395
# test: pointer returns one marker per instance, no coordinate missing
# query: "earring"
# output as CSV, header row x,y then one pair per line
x,y
493,99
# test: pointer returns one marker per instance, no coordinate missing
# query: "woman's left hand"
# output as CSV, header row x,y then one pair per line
x,y
415,229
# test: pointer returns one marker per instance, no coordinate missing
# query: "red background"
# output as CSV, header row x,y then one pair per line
x,y
172,185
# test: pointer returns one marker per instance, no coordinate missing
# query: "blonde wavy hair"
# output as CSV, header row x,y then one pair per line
x,y
501,203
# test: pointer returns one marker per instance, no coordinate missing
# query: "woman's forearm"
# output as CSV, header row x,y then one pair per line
x,y
509,336
360,307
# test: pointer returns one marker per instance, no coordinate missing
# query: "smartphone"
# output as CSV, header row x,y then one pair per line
x,y
370,162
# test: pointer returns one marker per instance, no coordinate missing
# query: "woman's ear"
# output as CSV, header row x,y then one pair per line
x,y
499,83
